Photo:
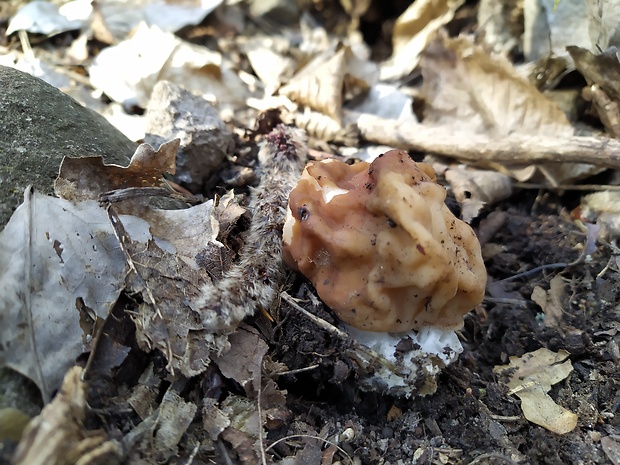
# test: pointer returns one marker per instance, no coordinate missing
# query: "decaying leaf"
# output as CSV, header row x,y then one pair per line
x,y
152,55
164,320
413,30
474,189
470,90
244,361
174,417
59,262
85,178
322,84
58,435
530,377
185,231
551,301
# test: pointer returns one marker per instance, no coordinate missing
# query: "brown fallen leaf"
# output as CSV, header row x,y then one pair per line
x,y
85,178
468,89
551,301
58,435
530,377
413,30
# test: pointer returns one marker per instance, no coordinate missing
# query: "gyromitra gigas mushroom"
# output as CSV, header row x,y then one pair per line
x,y
381,247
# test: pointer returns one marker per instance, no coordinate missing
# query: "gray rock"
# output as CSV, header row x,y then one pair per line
x,y
174,112
39,125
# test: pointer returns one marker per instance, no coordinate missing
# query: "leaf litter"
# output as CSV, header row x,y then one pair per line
x,y
169,385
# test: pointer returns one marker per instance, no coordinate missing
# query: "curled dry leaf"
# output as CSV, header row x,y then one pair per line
x,y
319,84
186,231
530,377
601,73
85,178
413,30
474,189
327,80
323,127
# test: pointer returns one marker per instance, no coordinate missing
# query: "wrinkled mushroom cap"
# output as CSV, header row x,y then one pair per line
x,y
381,247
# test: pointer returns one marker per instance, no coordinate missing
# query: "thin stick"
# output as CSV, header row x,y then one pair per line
x,y
261,444
511,149
373,356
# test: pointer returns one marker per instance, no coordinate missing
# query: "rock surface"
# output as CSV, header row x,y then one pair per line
x,y
174,112
39,125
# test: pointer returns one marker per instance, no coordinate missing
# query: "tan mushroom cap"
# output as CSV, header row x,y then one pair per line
x,y
380,245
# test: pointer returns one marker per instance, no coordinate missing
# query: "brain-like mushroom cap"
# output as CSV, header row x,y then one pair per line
x,y
380,245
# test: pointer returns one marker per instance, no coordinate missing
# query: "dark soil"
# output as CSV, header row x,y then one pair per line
x,y
471,418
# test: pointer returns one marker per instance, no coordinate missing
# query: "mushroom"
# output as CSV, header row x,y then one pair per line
x,y
396,266
380,245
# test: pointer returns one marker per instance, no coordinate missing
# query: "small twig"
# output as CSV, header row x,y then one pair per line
x,y
298,370
192,456
495,456
510,149
261,439
319,438
506,418
373,356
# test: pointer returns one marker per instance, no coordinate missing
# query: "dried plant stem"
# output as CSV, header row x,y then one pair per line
x,y
512,149
253,282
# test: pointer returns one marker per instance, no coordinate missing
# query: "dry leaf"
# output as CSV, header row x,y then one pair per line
x,y
58,436
551,26
244,361
85,178
551,302
472,91
174,417
319,84
164,320
41,18
269,60
413,30
602,208
186,231
152,55
54,255
601,73
530,377
611,447
603,23
474,189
